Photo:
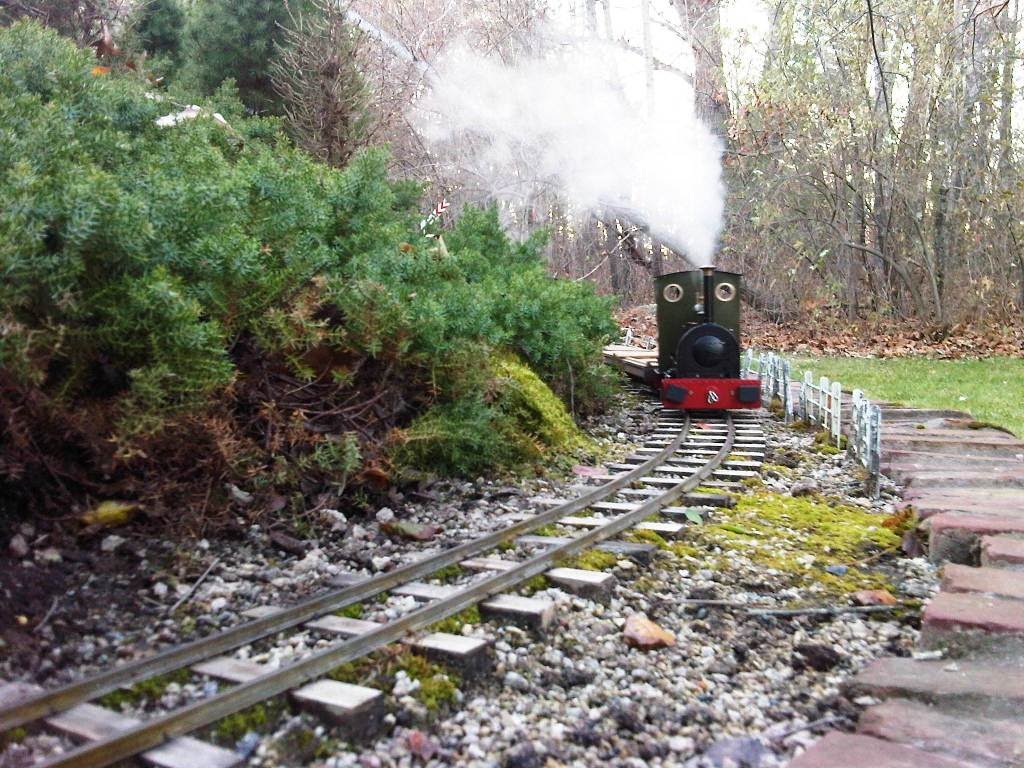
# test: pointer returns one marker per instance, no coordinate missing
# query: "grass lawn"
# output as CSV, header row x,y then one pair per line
x,y
991,390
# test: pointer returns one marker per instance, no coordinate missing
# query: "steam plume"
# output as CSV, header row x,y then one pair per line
x,y
567,120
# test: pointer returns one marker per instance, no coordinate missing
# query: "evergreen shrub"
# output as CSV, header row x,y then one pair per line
x,y
201,278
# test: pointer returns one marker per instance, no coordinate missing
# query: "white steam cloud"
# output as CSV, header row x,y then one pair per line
x,y
573,120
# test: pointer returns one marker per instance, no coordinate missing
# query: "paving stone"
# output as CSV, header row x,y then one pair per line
x,y
989,581
593,585
231,669
356,710
471,657
527,612
1003,552
846,750
959,687
342,625
957,537
996,743
973,624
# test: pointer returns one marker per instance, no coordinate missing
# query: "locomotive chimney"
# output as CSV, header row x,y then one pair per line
x,y
709,277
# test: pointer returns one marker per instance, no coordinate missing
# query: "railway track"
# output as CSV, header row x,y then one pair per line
x,y
680,455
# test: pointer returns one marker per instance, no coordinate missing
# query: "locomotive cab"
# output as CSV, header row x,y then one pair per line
x,y
699,342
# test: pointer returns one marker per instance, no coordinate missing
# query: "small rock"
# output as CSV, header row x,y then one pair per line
x,y
111,543
522,756
217,603
873,597
741,752
836,570
640,632
48,556
421,745
815,656
18,546
160,589
804,488
413,531
516,682
246,745
385,515
242,497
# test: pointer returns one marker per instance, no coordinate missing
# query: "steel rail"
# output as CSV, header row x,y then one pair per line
x,y
153,732
53,701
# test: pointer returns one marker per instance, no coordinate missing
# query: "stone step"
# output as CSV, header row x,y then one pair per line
x,y
471,657
342,625
847,750
925,459
989,446
593,585
89,722
959,687
418,590
896,413
357,711
956,537
975,624
993,743
1003,552
959,478
950,431
987,581
529,612
230,669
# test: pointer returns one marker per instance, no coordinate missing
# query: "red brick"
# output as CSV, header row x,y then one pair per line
x,y
987,581
1003,552
956,537
951,611
937,476
930,501
991,742
846,750
960,687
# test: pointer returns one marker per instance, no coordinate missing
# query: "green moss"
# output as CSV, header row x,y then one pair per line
x,y
259,718
438,685
641,536
144,690
506,546
681,549
448,573
533,585
13,736
354,611
547,530
591,560
453,624
800,537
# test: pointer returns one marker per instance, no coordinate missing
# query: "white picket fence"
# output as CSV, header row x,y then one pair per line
x,y
821,404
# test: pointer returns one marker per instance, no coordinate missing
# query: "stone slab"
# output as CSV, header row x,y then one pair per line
x,y
355,709
988,581
424,592
959,477
528,612
231,669
996,743
973,624
847,750
975,688
342,625
186,752
956,537
1003,552
593,585
471,657
487,564
90,722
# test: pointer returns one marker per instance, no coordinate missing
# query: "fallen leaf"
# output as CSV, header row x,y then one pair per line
x,y
640,632
585,471
421,745
99,70
109,513
873,597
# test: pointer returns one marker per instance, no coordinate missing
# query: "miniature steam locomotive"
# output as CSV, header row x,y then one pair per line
x,y
699,342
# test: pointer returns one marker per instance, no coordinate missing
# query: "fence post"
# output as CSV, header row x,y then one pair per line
x,y
837,413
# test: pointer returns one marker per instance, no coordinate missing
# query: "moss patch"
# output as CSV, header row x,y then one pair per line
x,y
259,718
143,691
438,685
534,585
800,538
591,560
641,536
453,624
448,573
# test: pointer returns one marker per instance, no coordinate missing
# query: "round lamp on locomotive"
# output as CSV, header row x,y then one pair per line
x,y
699,342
